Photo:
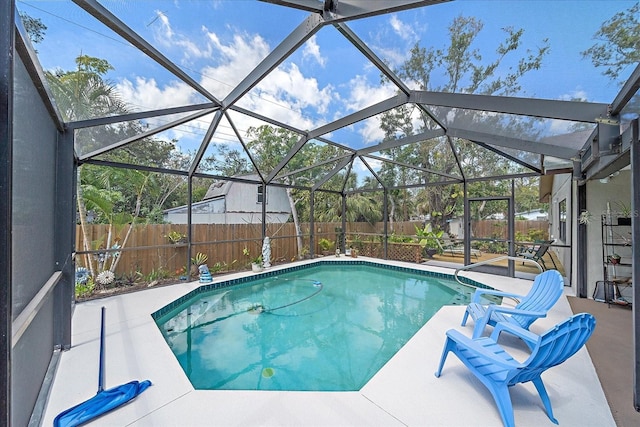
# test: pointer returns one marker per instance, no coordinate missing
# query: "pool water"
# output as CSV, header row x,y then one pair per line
x,y
323,328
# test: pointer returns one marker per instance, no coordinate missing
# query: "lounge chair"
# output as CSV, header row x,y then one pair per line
x,y
546,290
537,253
454,248
498,370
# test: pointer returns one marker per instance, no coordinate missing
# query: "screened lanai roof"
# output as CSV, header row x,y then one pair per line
x,y
202,74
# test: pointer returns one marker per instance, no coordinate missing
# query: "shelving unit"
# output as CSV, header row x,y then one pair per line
x,y
617,254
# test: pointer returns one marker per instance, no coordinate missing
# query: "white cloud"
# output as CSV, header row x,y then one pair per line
x,y
360,168
145,93
559,127
576,95
286,94
235,60
312,50
166,37
405,31
282,95
363,94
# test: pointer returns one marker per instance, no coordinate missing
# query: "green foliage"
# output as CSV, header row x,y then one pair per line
x,y
585,217
619,42
83,290
175,237
357,242
429,238
326,244
131,277
532,235
253,260
623,209
34,27
157,274
465,71
537,234
395,238
493,247
199,259
221,266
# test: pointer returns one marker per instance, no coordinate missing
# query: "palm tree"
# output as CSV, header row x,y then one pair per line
x,y
83,94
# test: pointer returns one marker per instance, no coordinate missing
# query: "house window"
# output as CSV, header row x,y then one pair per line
x,y
260,193
562,213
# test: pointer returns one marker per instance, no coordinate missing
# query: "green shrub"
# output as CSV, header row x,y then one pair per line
x,y
326,244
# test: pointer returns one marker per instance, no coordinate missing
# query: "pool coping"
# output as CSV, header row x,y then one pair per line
x,y
221,284
403,392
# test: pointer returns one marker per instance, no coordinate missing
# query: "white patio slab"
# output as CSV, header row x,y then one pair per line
x,y
404,392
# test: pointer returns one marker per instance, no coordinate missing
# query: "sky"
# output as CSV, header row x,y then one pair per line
x,y
219,42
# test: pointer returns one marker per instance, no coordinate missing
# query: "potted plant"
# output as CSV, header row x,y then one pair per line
x,y
624,213
176,238
196,262
585,217
614,259
325,245
429,240
256,262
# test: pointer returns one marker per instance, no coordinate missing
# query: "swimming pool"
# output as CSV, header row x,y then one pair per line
x,y
325,327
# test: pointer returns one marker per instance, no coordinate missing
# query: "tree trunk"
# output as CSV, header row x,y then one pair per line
x,y
392,212
82,213
296,222
135,216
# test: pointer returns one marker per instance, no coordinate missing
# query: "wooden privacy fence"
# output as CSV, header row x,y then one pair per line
x,y
148,250
498,229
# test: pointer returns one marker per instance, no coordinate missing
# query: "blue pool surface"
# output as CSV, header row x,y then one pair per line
x,y
326,327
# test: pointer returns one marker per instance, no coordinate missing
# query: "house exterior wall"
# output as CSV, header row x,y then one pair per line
x,y
243,197
563,191
599,194
239,206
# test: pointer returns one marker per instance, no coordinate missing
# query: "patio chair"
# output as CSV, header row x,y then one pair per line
x,y
498,370
454,248
537,253
546,290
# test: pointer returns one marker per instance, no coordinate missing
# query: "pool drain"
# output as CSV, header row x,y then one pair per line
x,y
268,372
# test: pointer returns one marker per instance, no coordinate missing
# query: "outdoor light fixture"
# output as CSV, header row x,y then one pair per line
x,y
606,179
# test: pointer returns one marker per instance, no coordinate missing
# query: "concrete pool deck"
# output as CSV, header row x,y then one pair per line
x,y
404,392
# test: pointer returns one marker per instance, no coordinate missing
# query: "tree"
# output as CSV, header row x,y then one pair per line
x,y
118,197
34,27
457,67
84,93
269,145
619,42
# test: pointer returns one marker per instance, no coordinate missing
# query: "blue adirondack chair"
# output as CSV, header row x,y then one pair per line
x,y
546,290
497,370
